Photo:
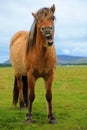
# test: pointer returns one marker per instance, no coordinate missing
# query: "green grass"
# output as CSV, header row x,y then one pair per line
x,y
69,101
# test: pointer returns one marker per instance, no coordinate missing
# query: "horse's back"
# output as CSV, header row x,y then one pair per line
x,y
18,36
17,51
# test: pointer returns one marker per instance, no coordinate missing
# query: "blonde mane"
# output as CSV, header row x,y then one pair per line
x,y
31,37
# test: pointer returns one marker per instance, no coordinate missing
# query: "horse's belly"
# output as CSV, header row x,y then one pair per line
x,y
17,51
19,67
17,55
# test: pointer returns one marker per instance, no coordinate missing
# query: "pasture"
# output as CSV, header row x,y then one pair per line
x,y
69,101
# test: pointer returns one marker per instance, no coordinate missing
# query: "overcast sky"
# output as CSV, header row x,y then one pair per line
x,y
70,24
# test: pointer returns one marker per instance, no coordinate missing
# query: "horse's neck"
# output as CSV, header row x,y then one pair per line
x,y
40,41
41,50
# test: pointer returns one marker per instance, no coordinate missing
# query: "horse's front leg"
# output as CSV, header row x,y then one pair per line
x,y
48,82
31,96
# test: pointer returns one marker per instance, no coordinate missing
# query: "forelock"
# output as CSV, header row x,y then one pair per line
x,y
42,13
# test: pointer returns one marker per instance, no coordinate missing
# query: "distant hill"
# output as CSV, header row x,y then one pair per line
x,y
64,60
6,62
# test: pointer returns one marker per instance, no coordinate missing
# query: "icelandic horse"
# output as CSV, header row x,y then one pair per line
x,y
33,55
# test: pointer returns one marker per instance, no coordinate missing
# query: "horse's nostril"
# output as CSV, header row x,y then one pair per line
x,y
51,28
42,29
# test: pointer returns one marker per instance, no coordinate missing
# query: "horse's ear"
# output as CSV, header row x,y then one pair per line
x,y
34,15
52,9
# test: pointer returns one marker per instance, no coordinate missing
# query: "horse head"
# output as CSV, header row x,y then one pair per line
x,y
44,19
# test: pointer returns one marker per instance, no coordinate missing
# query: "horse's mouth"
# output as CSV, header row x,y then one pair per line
x,y
49,40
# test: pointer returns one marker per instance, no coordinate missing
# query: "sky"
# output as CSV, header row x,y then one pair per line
x,y
70,25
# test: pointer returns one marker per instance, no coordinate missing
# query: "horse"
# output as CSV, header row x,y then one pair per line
x,y
33,55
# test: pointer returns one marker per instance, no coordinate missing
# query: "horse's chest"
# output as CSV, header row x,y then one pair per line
x,y
39,73
44,63
42,66
42,69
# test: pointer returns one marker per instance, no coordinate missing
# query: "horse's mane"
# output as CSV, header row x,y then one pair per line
x,y
31,37
41,13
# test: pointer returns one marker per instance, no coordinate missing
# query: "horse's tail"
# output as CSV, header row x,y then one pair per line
x,y
15,92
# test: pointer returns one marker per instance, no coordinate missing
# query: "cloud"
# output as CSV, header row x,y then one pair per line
x,y
70,48
72,12
75,51
66,51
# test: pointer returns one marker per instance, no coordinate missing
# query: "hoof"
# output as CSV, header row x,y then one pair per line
x,y
28,119
22,105
22,108
51,119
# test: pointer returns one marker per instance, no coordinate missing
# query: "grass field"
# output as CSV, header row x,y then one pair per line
x,y
69,101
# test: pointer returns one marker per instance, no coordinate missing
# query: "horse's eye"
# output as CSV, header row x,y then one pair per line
x,y
53,17
51,28
43,28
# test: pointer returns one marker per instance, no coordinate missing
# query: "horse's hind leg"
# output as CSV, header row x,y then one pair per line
x,y
20,88
15,92
25,90
48,82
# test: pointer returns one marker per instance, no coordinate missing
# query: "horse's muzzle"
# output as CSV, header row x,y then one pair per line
x,y
49,40
47,32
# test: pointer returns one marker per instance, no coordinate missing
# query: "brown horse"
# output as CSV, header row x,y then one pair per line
x,y
33,55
